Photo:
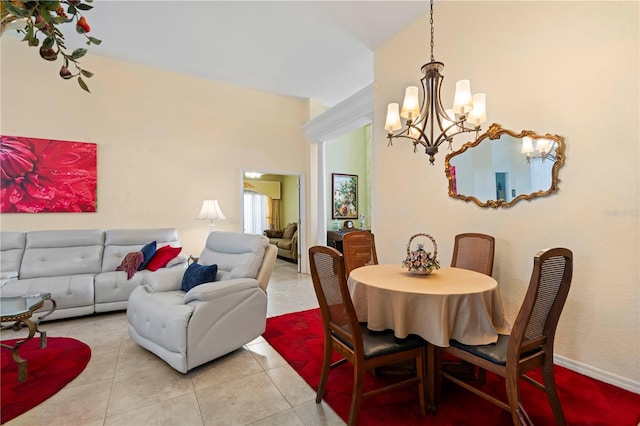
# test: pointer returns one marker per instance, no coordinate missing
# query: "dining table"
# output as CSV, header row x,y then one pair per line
x,y
449,303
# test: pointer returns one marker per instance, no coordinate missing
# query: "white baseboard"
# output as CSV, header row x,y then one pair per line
x,y
595,373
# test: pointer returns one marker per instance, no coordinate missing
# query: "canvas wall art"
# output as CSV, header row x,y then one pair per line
x,y
46,175
345,196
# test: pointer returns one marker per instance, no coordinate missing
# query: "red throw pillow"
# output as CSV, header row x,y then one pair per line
x,y
162,257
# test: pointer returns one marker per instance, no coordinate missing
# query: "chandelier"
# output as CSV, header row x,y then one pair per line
x,y
428,123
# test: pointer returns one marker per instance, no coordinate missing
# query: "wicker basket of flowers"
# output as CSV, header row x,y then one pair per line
x,y
420,261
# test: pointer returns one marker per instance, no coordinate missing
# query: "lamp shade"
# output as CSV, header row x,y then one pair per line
x,y
478,114
462,101
393,118
527,145
542,145
410,107
210,210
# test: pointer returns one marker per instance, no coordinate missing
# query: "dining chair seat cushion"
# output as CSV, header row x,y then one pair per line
x,y
494,352
384,343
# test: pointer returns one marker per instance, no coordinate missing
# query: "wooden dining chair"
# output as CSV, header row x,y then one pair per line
x,y
359,248
364,349
474,252
530,344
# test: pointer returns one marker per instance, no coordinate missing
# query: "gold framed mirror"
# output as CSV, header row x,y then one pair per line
x,y
504,167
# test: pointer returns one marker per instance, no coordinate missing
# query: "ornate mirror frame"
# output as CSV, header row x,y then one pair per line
x,y
493,133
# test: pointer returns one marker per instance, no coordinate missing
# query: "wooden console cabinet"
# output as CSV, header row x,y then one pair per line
x,y
334,238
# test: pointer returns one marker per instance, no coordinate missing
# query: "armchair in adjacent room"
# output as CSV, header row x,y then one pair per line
x,y
194,321
286,240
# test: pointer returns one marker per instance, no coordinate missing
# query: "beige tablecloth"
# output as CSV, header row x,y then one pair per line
x,y
450,303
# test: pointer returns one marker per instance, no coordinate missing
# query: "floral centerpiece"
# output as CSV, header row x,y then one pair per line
x,y
420,261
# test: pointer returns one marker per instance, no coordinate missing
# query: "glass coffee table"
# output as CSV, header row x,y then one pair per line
x,y
18,311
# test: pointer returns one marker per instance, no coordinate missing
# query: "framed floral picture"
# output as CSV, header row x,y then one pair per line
x,y
344,189
47,175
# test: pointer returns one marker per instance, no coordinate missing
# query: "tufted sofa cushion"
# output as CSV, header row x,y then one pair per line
x,y
11,251
112,289
119,242
58,253
237,255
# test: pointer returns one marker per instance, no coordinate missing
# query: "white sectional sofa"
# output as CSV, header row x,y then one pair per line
x,y
78,267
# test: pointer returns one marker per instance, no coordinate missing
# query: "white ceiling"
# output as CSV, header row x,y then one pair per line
x,y
308,49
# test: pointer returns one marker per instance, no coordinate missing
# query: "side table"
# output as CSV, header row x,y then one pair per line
x,y
19,310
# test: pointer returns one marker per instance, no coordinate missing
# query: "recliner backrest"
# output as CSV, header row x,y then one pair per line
x,y
237,255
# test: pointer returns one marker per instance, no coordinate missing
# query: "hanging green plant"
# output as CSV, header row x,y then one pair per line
x,y
43,20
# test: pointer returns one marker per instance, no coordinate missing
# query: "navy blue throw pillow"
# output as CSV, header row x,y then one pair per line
x,y
147,252
197,274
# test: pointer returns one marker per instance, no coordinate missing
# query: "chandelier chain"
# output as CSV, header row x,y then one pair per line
x,y
431,24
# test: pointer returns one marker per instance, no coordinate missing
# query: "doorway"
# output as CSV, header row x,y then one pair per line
x,y
269,202
501,186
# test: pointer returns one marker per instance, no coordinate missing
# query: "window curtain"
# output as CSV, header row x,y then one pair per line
x,y
275,214
270,212
255,212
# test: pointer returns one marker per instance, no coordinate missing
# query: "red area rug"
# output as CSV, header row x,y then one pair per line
x,y
49,369
298,338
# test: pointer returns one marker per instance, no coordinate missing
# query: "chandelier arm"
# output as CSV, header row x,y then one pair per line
x,y
414,140
458,125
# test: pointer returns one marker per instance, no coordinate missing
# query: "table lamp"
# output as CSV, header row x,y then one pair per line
x,y
211,210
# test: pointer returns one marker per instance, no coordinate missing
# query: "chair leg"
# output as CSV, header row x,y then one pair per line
x,y
525,420
356,396
512,382
420,372
326,365
552,393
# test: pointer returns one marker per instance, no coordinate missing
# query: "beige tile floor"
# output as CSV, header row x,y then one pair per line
x,y
124,384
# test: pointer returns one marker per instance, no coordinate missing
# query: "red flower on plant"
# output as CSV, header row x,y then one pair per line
x,y
82,26
42,175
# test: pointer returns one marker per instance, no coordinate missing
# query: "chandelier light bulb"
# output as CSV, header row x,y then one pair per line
x,y
393,118
411,105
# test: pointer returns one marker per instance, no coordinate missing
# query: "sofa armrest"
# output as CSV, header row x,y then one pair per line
x,y
214,290
180,259
164,279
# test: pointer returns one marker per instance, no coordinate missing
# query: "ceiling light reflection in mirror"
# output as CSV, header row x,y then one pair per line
x,y
502,167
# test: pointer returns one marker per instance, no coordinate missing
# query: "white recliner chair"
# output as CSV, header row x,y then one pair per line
x,y
212,319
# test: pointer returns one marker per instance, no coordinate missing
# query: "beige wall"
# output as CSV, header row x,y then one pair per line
x,y
290,200
165,141
569,68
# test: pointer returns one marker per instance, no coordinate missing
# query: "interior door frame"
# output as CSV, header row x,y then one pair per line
x,y
302,234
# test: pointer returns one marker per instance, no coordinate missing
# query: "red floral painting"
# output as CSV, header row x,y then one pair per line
x,y
45,175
